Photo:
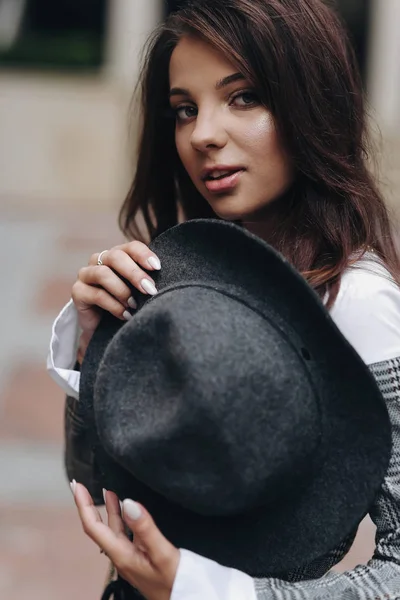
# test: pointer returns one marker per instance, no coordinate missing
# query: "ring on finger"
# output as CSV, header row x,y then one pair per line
x,y
99,261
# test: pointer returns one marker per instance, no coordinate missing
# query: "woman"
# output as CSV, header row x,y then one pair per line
x,y
252,111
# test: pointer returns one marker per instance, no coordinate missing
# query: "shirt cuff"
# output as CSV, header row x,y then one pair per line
x,y
198,578
63,347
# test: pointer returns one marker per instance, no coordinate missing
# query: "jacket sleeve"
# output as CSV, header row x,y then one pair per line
x,y
63,368
78,455
380,578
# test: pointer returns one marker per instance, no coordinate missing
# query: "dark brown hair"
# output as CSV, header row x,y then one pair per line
x,y
297,55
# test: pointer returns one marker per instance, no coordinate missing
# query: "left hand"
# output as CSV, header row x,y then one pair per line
x,y
150,562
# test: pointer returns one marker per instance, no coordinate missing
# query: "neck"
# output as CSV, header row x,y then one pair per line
x,y
268,224
262,229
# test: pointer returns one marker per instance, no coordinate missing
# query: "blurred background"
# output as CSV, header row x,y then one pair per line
x,y
67,72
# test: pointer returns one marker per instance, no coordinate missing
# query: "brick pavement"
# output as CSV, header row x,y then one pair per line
x,y
43,552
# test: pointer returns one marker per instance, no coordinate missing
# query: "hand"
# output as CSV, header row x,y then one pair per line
x,y
150,563
99,288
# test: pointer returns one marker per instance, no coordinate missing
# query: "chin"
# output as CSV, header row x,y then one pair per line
x,y
230,211
228,216
233,215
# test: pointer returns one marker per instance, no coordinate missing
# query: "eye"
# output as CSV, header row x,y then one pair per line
x,y
245,99
185,112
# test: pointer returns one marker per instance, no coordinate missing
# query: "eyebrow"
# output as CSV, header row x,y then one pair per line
x,y
218,86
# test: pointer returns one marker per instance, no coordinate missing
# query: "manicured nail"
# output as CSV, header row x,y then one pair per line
x,y
127,315
104,495
73,486
131,509
132,302
154,262
148,287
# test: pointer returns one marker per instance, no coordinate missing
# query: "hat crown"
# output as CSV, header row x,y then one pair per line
x,y
226,414
352,446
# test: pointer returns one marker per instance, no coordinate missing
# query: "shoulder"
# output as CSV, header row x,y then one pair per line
x,y
367,311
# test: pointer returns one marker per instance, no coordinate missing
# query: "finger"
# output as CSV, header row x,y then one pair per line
x,y
142,254
94,527
156,546
138,251
88,513
89,318
94,259
103,277
115,521
126,267
86,296
113,507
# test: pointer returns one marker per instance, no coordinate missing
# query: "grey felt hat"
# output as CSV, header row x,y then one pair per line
x,y
232,407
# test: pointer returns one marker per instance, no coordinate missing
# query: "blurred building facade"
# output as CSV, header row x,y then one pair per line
x,y
64,139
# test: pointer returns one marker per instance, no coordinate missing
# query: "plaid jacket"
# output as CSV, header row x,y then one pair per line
x,y
379,580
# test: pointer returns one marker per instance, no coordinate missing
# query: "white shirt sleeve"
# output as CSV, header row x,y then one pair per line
x,y
199,578
62,352
367,312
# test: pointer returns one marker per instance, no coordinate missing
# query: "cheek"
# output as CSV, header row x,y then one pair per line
x,y
261,137
183,148
266,150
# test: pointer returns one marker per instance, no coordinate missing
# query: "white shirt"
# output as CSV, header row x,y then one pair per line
x,y
367,311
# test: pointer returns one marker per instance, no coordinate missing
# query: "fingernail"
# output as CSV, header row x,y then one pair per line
x,y
127,315
73,486
131,509
148,287
104,495
132,302
154,262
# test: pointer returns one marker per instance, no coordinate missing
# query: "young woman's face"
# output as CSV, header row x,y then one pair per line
x,y
226,140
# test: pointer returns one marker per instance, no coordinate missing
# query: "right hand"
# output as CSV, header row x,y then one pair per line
x,y
98,288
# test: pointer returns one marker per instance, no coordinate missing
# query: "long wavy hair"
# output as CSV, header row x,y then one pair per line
x,y
298,56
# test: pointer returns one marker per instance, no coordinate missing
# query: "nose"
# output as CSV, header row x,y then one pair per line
x,y
209,132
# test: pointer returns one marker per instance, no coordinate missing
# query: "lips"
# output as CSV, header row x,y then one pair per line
x,y
219,172
225,182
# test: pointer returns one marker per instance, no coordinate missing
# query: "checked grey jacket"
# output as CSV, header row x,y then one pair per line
x,y
380,579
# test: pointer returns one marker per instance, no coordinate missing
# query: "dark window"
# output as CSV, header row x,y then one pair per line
x,y
356,14
173,5
61,34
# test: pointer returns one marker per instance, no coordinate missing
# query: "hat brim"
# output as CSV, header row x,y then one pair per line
x,y
357,437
